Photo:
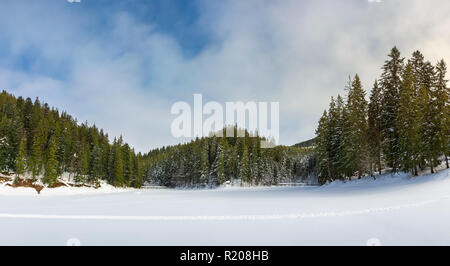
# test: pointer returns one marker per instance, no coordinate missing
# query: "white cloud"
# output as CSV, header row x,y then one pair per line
x,y
297,52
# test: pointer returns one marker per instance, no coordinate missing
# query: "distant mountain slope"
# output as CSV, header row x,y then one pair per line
x,y
304,144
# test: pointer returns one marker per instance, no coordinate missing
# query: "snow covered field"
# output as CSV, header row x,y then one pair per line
x,y
395,210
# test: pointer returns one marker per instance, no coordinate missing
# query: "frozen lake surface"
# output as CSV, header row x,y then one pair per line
x,y
393,210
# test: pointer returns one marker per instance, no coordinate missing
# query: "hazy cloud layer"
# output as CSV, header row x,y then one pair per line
x,y
124,73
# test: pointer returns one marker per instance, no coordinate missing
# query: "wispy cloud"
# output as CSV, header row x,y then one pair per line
x,y
124,73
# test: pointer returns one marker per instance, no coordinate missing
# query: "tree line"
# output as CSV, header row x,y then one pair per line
x,y
405,125
40,142
212,161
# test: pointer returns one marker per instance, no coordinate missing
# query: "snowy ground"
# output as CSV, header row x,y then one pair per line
x,y
389,211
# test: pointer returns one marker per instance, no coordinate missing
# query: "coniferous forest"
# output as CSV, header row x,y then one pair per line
x,y
405,125
215,160
42,143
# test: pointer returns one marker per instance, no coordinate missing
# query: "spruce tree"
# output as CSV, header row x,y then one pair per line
x,y
37,155
417,62
221,178
4,148
96,168
430,144
204,161
131,168
233,163
51,166
244,169
27,124
127,173
322,149
443,109
118,166
110,164
336,121
374,128
408,122
354,152
138,172
82,167
390,83
61,152
14,136
21,159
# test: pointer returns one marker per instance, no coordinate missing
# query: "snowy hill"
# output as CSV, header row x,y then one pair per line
x,y
392,210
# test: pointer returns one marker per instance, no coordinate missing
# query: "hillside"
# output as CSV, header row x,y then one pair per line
x,y
38,144
212,161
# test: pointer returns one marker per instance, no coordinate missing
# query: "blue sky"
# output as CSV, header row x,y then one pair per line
x,y
122,64
177,18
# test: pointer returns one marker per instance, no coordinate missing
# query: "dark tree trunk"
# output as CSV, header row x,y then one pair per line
x,y
372,174
379,164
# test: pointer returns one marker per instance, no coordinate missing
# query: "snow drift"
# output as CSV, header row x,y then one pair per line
x,y
393,210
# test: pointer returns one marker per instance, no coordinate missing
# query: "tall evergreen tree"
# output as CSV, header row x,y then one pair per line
x,y
391,83
221,178
408,122
355,131
244,168
374,128
51,166
430,144
27,124
335,126
138,172
37,156
322,149
82,165
233,162
96,168
443,109
4,146
119,180
204,160
21,162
